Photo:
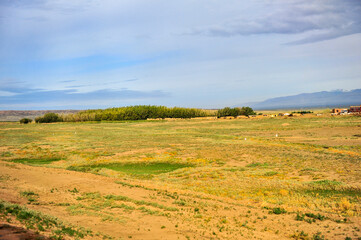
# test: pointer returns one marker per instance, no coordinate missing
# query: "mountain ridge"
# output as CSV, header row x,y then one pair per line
x,y
336,98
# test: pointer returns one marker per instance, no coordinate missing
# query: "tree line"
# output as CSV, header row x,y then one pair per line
x,y
141,112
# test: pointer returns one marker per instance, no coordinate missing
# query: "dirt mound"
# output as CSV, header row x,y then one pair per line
x,y
9,232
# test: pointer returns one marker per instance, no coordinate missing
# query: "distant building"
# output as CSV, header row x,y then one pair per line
x,y
355,109
339,110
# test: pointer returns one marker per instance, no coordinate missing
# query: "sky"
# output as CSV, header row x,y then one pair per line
x,y
60,54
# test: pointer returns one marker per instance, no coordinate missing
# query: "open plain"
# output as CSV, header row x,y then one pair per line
x,y
266,178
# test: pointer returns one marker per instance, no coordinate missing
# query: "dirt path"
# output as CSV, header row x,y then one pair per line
x,y
126,210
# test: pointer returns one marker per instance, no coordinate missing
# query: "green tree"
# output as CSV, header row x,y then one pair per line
x,y
247,111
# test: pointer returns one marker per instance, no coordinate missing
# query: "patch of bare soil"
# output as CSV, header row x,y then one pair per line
x,y
9,232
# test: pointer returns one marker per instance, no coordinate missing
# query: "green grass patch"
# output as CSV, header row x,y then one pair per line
x,y
30,161
143,168
271,173
326,183
257,164
334,193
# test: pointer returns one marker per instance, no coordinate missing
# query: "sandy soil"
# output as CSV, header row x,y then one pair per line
x,y
239,220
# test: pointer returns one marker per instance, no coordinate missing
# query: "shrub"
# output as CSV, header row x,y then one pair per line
x,y
25,120
49,118
278,211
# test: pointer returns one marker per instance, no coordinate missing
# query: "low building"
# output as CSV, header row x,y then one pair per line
x,y
339,110
355,109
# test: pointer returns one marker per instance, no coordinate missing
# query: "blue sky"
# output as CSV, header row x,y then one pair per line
x,y
58,54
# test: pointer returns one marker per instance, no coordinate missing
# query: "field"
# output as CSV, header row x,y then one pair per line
x,y
267,178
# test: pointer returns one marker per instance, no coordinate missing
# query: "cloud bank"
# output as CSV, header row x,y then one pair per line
x,y
175,53
323,20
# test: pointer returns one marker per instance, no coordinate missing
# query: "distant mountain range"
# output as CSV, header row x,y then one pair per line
x,y
337,98
15,115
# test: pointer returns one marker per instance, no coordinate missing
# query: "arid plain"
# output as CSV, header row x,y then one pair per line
x,y
266,178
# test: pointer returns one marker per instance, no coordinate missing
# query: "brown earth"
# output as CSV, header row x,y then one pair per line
x,y
10,232
200,217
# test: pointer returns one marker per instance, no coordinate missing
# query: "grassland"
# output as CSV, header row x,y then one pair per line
x,y
268,178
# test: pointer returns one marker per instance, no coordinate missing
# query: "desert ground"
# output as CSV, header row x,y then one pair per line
x,y
261,178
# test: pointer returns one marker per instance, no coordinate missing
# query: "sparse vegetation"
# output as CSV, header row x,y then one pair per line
x,y
36,220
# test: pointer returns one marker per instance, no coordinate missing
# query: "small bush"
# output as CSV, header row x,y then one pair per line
x,y
25,120
300,217
277,211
